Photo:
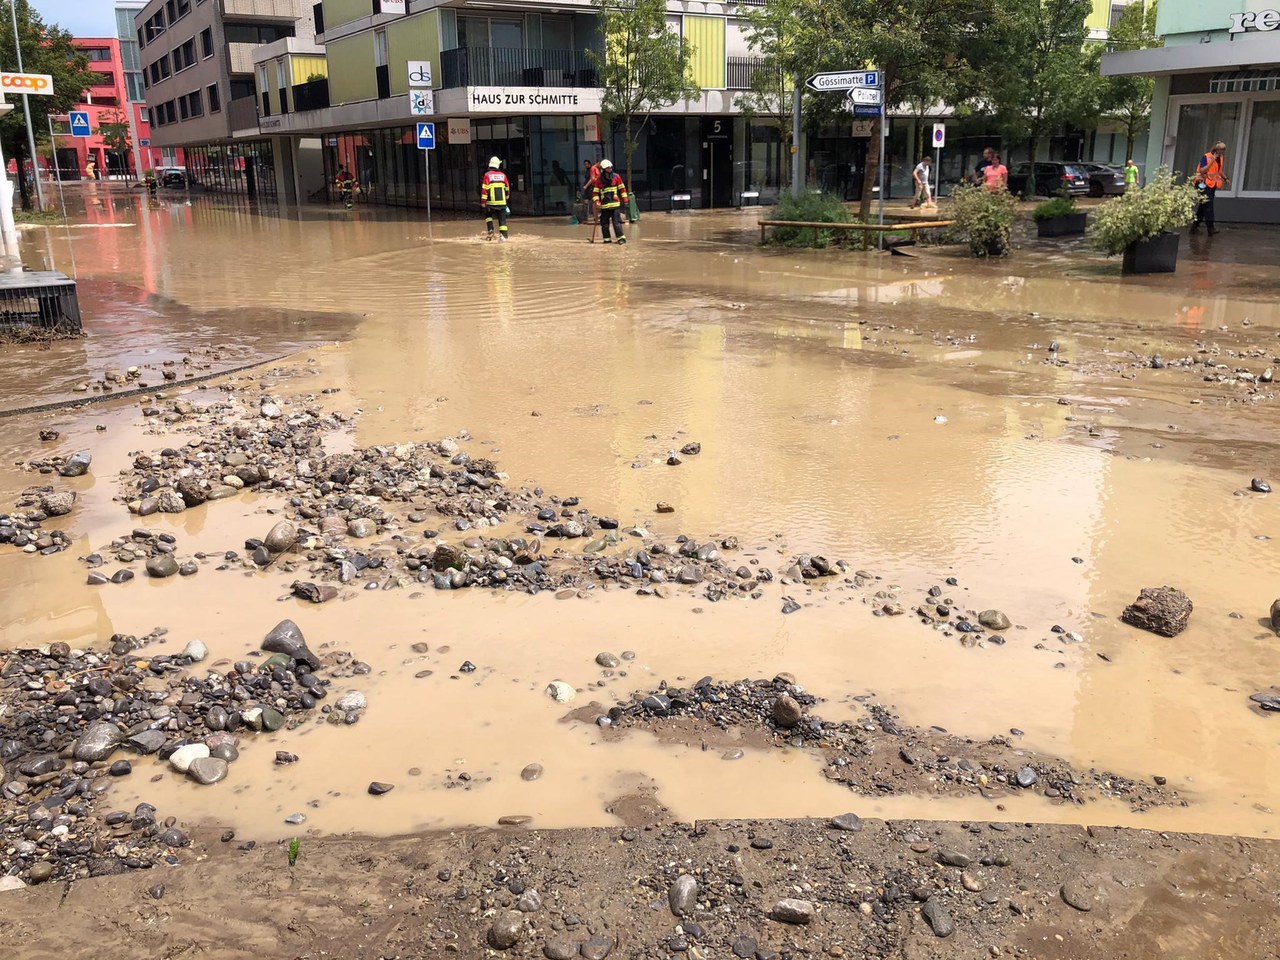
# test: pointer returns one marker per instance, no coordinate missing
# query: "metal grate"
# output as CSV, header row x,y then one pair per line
x,y
1245,81
43,300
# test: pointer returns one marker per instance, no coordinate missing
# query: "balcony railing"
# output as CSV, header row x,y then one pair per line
x,y
313,95
243,113
739,71
516,67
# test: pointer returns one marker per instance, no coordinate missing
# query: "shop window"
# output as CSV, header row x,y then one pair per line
x,y
1200,126
1262,160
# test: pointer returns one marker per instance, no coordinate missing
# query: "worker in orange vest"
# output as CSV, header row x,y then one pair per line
x,y
1209,178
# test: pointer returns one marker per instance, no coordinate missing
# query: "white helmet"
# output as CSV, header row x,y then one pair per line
x,y
494,163
606,164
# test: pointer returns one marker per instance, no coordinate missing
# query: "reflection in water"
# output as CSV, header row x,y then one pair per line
x,y
901,417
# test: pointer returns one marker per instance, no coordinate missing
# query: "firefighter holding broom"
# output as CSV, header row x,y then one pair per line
x,y
609,194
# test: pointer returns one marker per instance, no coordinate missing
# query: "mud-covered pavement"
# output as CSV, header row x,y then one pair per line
x,y
1035,437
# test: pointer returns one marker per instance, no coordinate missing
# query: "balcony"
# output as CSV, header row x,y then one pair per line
x,y
243,113
313,95
516,67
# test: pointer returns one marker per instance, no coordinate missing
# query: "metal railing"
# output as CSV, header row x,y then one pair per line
x,y
517,67
312,95
740,71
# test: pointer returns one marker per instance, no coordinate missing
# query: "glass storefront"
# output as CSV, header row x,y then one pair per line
x,y
245,168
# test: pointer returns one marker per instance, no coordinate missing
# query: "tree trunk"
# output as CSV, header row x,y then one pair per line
x,y
870,170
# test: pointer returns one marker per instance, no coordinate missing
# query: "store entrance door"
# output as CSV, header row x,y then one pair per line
x,y
717,161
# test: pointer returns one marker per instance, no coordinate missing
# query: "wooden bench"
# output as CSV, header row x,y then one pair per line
x,y
865,227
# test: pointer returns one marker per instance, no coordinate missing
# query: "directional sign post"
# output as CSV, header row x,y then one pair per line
x,y
427,143
939,141
842,80
865,96
80,126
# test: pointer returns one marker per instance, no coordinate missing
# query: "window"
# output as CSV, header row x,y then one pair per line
x,y
136,86
206,42
160,70
97,54
104,79
254,33
107,101
184,56
380,48
152,28
282,74
215,100
184,7
172,9
144,114
190,106
1262,167
141,39
1116,10
1200,125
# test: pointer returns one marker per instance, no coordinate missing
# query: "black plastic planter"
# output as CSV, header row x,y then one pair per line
x,y
1157,255
1071,225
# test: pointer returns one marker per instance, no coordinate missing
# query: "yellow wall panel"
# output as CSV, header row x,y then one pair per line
x,y
338,12
413,38
351,72
304,67
706,36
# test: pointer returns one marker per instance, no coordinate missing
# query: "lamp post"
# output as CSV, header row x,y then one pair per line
x,y
26,109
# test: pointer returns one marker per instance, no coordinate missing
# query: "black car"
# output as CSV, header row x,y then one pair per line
x,y
1052,178
1104,179
173,177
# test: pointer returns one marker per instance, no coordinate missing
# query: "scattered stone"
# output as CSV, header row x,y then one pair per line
x,y
182,758
994,620
98,741
57,503
506,930
1160,610
597,948
1027,777
791,910
939,920
378,788
207,770
162,566
607,660
682,896
312,592
560,692
77,464
532,772
847,821
286,637
195,651
1275,616
1258,485
1078,894
281,537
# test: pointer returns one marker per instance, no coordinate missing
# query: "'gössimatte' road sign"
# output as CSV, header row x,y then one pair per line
x,y
862,110
80,124
426,136
844,80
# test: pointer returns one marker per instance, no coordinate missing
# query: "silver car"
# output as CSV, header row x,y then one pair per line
x,y
1105,180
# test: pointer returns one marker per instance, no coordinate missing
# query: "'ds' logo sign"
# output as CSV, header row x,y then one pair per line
x,y
419,76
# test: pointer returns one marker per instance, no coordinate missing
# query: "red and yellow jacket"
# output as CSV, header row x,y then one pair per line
x,y
610,192
495,189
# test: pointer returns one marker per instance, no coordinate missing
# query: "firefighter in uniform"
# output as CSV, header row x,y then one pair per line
x,y
610,193
346,184
495,193
1209,178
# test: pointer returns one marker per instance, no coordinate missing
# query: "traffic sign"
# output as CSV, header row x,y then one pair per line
x,y
80,126
939,135
869,96
862,110
843,80
144,142
426,136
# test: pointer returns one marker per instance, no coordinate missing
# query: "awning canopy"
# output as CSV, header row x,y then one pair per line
x,y
1253,51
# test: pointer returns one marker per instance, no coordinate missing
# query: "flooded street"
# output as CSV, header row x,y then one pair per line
x,y
906,415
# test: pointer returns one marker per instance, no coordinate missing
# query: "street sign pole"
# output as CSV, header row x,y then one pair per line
x,y
427,154
57,170
880,166
795,139
26,109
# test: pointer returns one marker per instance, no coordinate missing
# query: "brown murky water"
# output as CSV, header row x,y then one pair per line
x,y
897,413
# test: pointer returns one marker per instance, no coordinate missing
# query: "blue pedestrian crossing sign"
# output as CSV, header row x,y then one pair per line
x,y
426,136
80,126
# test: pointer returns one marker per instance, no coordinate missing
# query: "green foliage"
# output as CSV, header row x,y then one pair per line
x,y
1159,207
985,219
46,48
114,130
816,208
294,846
313,77
1045,75
1057,207
1126,101
644,66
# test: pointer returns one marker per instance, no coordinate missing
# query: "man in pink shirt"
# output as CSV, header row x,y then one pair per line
x,y
996,175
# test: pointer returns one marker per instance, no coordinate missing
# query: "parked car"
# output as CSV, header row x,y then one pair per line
x,y
1104,179
1052,179
172,177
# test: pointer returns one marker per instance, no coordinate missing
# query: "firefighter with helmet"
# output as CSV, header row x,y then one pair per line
x,y
610,194
495,194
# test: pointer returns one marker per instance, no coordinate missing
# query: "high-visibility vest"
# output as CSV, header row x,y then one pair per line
x,y
610,192
495,189
1211,170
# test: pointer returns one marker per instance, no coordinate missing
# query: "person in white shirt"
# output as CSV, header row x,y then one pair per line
x,y
924,194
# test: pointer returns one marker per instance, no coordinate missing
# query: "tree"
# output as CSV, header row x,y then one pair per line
x,y
770,92
1046,77
45,49
113,128
1126,101
644,66
926,50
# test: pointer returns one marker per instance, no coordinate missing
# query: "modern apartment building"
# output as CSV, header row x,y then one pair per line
x,y
1217,79
197,60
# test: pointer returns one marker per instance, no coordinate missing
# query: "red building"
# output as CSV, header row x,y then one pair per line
x,y
107,103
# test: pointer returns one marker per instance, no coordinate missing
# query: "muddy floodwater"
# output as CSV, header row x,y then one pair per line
x,y
920,417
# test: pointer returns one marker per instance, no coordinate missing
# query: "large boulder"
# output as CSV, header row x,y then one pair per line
x,y
1161,610
77,464
286,637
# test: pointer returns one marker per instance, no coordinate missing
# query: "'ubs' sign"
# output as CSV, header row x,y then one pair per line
x,y
1262,20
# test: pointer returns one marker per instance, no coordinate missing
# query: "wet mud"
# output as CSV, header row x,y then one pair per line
x,y
1035,436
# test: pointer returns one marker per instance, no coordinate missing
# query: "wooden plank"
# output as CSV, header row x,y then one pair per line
x,y
870,227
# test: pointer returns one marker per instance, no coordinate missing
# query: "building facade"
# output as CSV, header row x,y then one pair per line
x,y
117,122
197,61
1217,79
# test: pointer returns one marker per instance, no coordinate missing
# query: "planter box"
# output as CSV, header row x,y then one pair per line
x,y
1157,255
1069,226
